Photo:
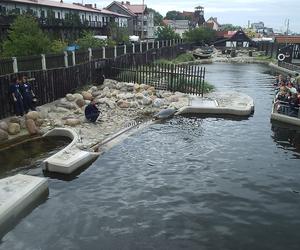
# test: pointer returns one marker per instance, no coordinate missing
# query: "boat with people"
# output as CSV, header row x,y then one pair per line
x,y
286,104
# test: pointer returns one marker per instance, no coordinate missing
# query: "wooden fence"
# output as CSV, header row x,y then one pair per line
x,y
187,79
52,84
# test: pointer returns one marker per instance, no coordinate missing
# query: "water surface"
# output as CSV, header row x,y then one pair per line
x,y
189,183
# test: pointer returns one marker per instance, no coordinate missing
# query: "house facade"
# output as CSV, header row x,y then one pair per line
x,y
60,16
179,26
212,23
233,39
141,21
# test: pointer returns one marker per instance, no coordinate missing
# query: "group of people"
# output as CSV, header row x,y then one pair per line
x,y
22,96
288,94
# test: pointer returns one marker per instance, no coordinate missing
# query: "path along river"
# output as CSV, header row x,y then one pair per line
x,y
188,183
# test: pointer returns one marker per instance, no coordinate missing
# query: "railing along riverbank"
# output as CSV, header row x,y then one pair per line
x,y
67,59
52,84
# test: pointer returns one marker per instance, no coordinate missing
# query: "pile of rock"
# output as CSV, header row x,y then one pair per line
x,y
14,125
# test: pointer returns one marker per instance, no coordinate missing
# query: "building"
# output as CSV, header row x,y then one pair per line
x,y
212,23
233,39
257,26
179,26
141,21
66,19
196,18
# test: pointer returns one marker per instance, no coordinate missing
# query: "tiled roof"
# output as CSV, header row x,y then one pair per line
x,y
287,39
136,8
54,4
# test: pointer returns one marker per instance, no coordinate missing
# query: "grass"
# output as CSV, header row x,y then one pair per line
x,y
186,57
265,58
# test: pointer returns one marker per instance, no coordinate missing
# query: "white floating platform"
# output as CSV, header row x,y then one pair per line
x,y
69,159
17,194
230,103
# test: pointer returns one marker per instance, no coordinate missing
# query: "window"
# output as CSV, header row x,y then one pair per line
x,y
82,17
58,15
42,14
89,18
96,18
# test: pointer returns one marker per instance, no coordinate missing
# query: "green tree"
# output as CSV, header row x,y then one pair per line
x,y
174,15
166,33
119,34
58,46
200,35
229,27
88,40
25,38
158,18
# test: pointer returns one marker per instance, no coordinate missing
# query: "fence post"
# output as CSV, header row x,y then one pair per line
x,y
153,44
147,46
125,49
15,64
133,48
44,67
103,52
141,46
66,59
90,54
115,51
158,44
73,58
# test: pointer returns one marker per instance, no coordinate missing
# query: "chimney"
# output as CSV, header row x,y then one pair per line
x,y
95,6
61,1
89,6
127,2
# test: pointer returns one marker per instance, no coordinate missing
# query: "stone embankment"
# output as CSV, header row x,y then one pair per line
x,y
120,104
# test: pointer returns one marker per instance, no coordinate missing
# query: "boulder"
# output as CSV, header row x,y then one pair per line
x,y
115,92
144,86
80,103
121,86
86,95
15,120
96,93
139,96
34,115
3,135
39,122
125,96
123,104
137,87
110,104
61,110
72,122
133,104
146,101
129,86
93,89
70,97
151,90
4,126
31,127
158,102
101,100
173,98
109,83
66,104
14,128
77,96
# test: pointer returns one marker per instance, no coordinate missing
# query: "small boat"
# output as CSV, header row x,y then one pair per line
x,y
203,53
281,112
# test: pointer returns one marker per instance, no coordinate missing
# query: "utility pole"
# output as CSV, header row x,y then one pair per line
x,y
287,26
142,35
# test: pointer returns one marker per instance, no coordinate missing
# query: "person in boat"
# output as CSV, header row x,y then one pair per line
x,y
293,105
92,112
27,94
283,92
15,94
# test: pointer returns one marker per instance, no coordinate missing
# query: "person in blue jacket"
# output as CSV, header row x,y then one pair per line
x,y
92,112
27,94
15,94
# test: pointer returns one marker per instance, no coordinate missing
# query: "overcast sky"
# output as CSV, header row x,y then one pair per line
x,y
274,13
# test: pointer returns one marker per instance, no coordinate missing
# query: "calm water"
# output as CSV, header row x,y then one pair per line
x,y
189,183
27,157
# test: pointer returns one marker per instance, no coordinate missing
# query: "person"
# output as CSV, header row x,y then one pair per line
x,y
92,112
27,94
15,94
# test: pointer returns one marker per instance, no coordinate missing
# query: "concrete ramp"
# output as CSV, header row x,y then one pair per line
x,y
18,195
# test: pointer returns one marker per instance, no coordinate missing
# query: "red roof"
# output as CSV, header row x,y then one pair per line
x,y
136,8
225,34
287,39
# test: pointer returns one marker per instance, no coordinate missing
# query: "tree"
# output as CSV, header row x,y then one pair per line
x,y
158,18
200,35
229,27
58,46
118,34
174,15
88,40
166,33
25,38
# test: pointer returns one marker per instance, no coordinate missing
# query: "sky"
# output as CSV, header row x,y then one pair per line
x,y
274,13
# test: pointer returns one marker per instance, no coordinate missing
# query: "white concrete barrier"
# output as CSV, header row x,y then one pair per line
x,y
17,194
71,157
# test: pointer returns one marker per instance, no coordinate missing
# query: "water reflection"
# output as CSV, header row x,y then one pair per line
x,y
287,137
